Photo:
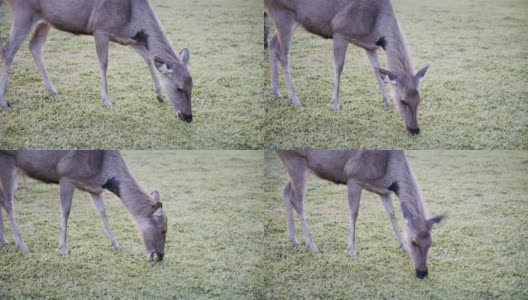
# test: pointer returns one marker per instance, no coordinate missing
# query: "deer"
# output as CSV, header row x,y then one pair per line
x,y
126,22
380,172
368,24
92,172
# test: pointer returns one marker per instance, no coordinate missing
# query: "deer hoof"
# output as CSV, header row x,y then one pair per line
x,y
314,249
107,102
64,251
295,242
277,95
3,242
116,246
52,91
23,248
160,99
296,102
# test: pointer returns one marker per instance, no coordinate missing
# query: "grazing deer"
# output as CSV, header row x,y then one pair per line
x,y
90,171
369,24
127,22
381,172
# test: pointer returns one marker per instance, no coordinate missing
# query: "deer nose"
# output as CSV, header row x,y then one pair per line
x,y
185,117
421,274
413,131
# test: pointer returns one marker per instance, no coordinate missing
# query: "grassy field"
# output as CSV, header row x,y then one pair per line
x,y
474,95
213,201
481,251
224,42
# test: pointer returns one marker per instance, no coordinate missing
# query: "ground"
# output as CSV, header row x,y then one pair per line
x,y
224,42
213,202
480,251
474,95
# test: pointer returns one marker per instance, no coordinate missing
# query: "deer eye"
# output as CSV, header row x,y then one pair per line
x,y
403,102
179,90
414,244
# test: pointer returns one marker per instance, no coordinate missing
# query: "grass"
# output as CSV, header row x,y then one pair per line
x,y
228,113
480,251
474,95
213,201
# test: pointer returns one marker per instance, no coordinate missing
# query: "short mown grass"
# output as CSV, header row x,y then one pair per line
x,y
213,201
224,42
474,95
480,251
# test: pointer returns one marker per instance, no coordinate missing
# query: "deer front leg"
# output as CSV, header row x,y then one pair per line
x,y
389,208
354,195
373,58
142,51
340,48
66,196
99,204
101,46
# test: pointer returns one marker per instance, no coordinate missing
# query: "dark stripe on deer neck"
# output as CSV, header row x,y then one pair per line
x,y
394,187
112,185
382,42
142,38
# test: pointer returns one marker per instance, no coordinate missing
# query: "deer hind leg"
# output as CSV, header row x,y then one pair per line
x,y
285,25
354,196
288,197
101,46
389,208
2,230
66,196
298,180
22,23
99,204
274,61
36,45
8,181
373,58
143,53
340,48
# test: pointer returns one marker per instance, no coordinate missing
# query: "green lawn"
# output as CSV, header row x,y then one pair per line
x,y
474,95
213,201
224,41
481,250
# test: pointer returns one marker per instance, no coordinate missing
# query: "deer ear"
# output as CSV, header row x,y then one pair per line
x,y
420,74
388,77
155,195
406,212
161,66
435,220
156,209
185,56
